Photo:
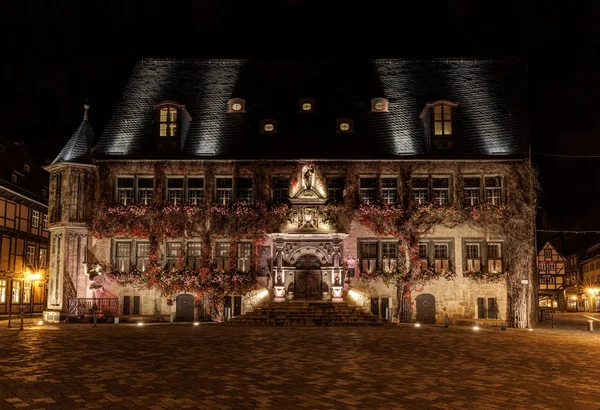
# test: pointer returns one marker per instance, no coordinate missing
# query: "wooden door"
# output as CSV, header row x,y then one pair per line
x,y
426,309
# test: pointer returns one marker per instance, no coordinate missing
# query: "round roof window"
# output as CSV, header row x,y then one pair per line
x,y
344,126
307,106
269,127
379,106
236,106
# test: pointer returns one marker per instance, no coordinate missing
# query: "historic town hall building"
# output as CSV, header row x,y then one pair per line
x,y
227,183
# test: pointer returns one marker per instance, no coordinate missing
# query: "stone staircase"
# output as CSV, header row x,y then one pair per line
x,y
307,313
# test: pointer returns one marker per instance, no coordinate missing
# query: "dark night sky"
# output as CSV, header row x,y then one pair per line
x,y
58,54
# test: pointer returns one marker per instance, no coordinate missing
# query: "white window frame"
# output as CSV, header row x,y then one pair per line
x,y
124,196
35,218
45,222
222,253
3,287
144,195
244,256
495,197
123,263
142,256
198,192
385,191
420,195
43,258
371,191
437,198
472,200
180,191
227,193
30,255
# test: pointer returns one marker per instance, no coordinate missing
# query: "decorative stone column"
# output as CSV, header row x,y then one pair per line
x,y
279,281
337,280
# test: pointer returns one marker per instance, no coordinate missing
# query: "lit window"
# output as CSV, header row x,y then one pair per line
x,y
30,255
173,250
35,219
236,105
193,255
473,257
440,251
269,127
442,120
335,189
368,256
26,168
344,126
379,105
244,251
16,291
142,255
43,257
222,255
306,105
494,255
123,256
45,222
389,255
168,122
2,291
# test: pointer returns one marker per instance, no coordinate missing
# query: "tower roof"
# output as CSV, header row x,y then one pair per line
x,y
79,145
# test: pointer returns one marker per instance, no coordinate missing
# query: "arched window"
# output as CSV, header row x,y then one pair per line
x,y
169,121
236,105
268,126
307,105
379,105
344,125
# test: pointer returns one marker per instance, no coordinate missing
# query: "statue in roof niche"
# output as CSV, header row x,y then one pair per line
x,y
308,174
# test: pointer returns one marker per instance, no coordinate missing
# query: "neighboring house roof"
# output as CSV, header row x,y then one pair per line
x,y
548,245
490,119
79,145
29,184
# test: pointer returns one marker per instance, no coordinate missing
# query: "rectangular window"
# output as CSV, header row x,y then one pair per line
x,y
441,257
145,190
368,254
419,190
389,190
193,255
142,255
280,189
2,291
389,256
136,305
224,190
175,191
43,257
442,120
26,292
335,189
123,256
441,191
124,191
30,255
45,222
16,291
473,257
222,255
368,189
494,257
423,255
126,305
244,250
35,219
195,191
173,249
243,190
493,190
472,191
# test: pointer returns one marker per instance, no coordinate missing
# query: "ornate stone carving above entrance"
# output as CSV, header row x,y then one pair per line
x,y
293,252
311,218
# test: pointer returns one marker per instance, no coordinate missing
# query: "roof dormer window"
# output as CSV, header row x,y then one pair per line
x,y
169,118
168,122
306,105
441,117
379,105
268,126
344,125
236,105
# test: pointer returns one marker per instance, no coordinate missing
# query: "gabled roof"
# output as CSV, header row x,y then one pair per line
x,y
491,117
78,146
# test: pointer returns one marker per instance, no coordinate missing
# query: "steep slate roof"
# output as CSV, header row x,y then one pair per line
x,y
78,146
491,116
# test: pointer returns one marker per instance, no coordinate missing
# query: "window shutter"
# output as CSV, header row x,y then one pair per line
x,y
424,264
136,305
126,305
438,265
445,264
477,265
470,264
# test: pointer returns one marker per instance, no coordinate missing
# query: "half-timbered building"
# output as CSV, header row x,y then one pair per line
x,y
385,183
23,231
551,270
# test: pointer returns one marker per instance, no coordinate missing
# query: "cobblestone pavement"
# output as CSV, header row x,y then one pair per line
x,y
181,366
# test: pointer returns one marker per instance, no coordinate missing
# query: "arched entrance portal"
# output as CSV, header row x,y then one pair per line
x,y
185,308
308,279
425,309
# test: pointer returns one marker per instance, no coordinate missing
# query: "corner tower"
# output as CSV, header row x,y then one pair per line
x,y
72,186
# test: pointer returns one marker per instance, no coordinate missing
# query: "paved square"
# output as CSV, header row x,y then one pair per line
x,y
182,366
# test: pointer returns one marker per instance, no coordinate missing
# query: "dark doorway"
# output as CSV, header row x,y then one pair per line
x,y
308,285
375,306
237,305
185,308
426,309
385,304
